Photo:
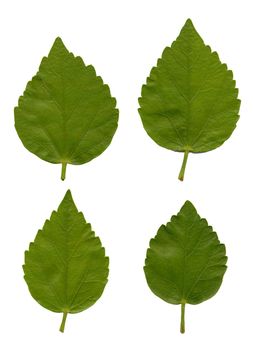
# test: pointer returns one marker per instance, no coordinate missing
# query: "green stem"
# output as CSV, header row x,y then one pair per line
x,y
63,322
185,158
182,327
64,165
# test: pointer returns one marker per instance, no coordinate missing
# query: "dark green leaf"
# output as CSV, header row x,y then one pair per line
x,y
65,267
66,114
186,261
189,103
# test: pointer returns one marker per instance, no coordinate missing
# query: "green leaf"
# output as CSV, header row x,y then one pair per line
x,y
66,114
65,267
189,103
186,261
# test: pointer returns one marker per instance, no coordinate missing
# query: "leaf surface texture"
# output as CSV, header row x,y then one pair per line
x,y
65,267
185,262
189,103
66,114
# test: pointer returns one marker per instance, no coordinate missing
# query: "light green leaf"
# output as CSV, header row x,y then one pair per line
x,y
65,267
186,262
66,114
189,103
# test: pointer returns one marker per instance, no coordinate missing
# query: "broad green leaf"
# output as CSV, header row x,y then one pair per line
x,y
185,262
66,114
189,103
65,267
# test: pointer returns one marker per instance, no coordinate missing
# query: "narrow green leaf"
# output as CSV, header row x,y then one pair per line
x,y
66,114
186,262
189,103
65,267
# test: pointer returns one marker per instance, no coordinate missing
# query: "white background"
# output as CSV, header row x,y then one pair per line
x,y
132,188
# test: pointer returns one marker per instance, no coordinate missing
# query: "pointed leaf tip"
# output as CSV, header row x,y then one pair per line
x,y
188,206
68,191
189,25
68,195
58,44
67,202
188,203
58,41
189,22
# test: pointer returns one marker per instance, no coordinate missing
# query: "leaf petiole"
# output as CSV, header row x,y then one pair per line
x,y
61,329
182,171
64,165
182,326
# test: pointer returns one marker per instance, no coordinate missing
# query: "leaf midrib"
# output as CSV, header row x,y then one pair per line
x,y
186,239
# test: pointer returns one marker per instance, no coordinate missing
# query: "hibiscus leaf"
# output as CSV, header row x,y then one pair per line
x,y
189,103
185,262
66,114
65,267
